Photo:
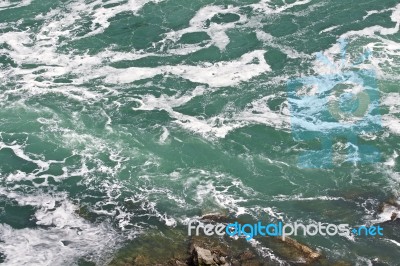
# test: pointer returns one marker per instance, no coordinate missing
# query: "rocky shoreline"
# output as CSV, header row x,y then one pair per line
x,y
203,251
173,247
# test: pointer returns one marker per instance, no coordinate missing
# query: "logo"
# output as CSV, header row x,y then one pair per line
x,y
249,231
335,108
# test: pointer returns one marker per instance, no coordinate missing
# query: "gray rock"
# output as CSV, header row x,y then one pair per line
x,y
204,257
215,217
300,251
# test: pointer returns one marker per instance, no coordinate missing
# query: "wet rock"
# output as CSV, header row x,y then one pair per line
x,y
212,255
203,257
179,263
389,210
223,251
213,244
341,263
248,258
141,260
173,262
84,262
175,248
251,263
168,248
215,217
394,202
394,216
86,214
299,252
66,242
246,255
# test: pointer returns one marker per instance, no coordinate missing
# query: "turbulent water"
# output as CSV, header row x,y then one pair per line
x,y
119,118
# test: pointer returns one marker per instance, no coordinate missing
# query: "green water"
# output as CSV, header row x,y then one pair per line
x,y
123,117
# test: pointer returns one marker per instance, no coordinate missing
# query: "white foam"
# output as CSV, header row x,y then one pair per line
x,y
391,162
19,152
392,123
7,4
164,136
329,29
384,51
387,214
217,32
204,127
370,31
271,212
219,74
265,6
266,252
392,120
204,189
260,113
371,12
218,126
394,242
52,64
41,48
270,40
301,198
101,15
65,238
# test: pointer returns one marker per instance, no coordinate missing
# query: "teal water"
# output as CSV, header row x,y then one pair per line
x,y
122,117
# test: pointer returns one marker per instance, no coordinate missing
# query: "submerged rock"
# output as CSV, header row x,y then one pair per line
x,y
309,254
223,252
342,263
205,257
207,251
247,258
202,256
167,248
389,210
215,217
173,247
85,213
294,251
